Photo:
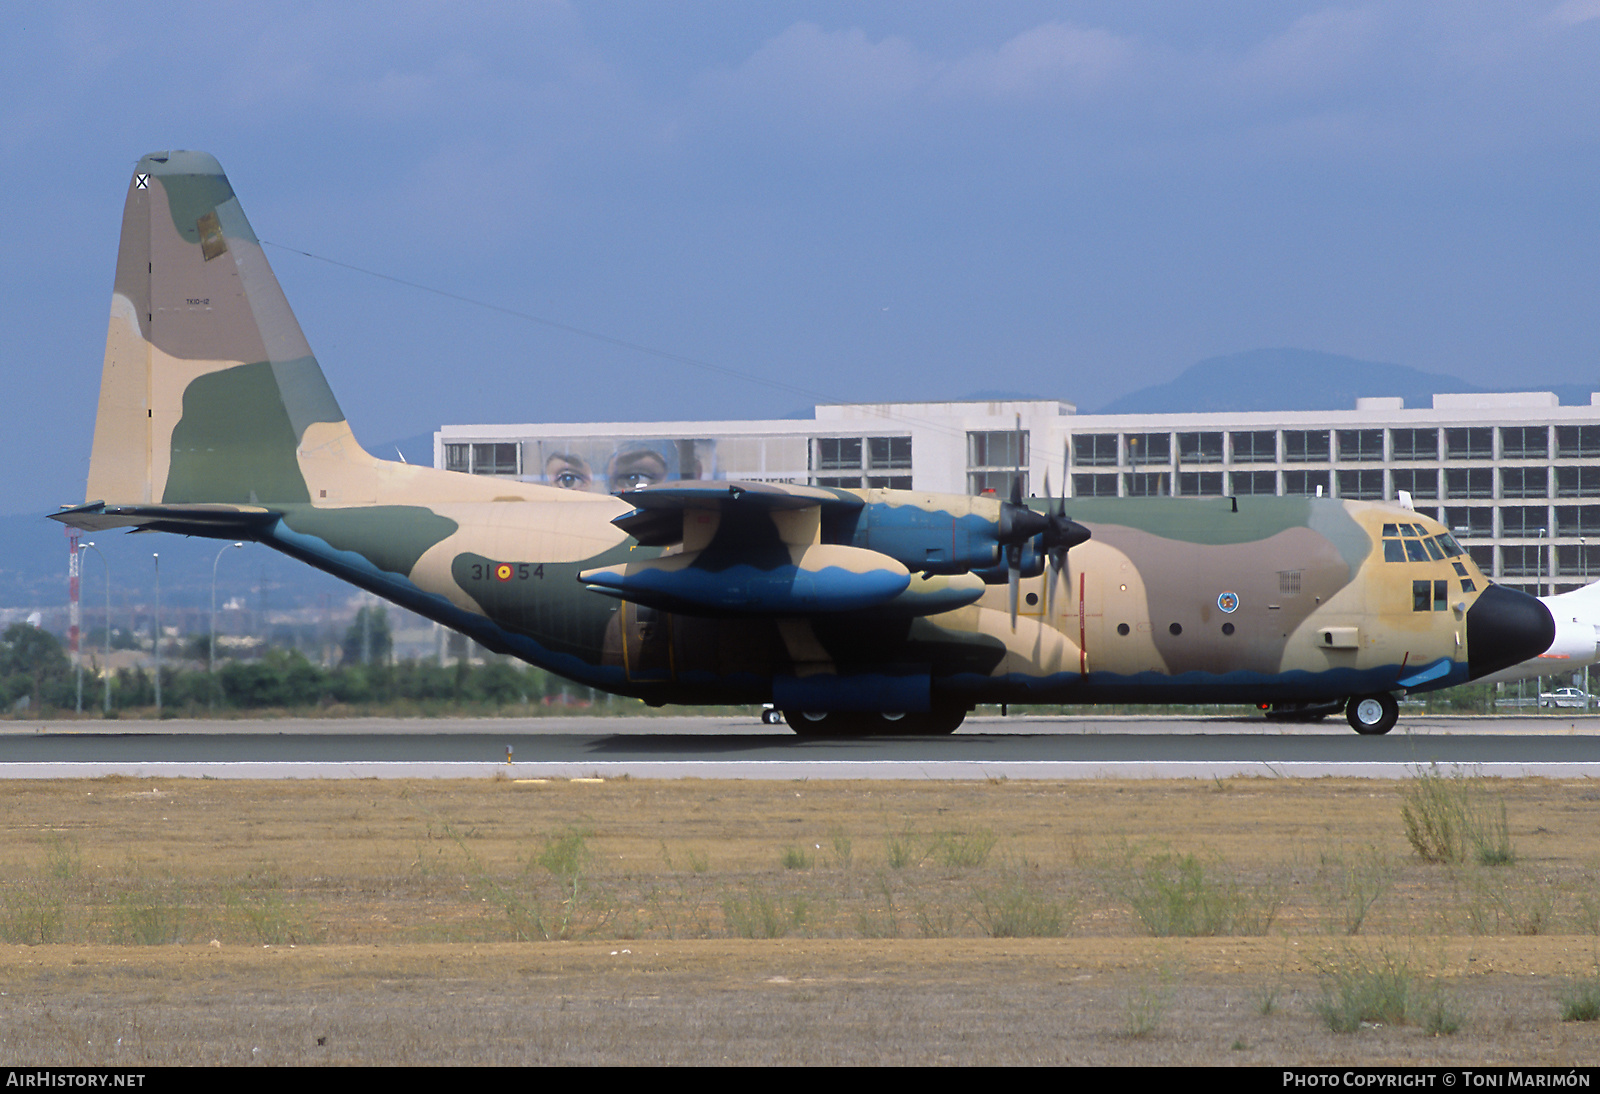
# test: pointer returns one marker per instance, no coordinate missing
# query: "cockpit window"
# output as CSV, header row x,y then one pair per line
x,y
1430,596
1413,543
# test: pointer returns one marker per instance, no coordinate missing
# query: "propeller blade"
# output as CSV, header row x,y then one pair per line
x,y
1055,564
1050,588
1063,562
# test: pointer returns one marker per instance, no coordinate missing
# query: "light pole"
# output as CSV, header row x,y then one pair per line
x,y
211,668
1583,563
1538,590
105,669
1538,586
77,639
157,557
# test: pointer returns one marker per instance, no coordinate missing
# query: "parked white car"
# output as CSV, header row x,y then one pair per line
x,y
1564,697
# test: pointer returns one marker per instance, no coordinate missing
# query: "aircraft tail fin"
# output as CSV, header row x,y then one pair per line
x,y
209,392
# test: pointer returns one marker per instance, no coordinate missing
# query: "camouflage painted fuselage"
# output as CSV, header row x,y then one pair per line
x,y
215,419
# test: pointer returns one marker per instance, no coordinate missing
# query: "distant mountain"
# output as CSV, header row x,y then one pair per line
x,y
1285,379
993,395
1303,379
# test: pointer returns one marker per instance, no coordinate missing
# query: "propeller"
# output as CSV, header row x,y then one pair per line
x,y
1060,537
1020,524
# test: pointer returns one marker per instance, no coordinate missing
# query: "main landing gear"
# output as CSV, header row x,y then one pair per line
x,y
1372,715
1301,712
936,722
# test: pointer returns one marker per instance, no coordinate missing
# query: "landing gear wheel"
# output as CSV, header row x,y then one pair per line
x,y
928,723
939,721
808,723
771,716
943,720
1372,715
1302,712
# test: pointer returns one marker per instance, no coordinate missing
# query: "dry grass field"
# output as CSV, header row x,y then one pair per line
x,y
430,922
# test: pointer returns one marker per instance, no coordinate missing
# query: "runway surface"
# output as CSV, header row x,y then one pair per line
x,y
740,747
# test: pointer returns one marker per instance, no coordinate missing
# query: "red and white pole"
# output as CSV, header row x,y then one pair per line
x,y
74,608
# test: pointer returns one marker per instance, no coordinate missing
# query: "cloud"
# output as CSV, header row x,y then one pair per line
x,y
1576,11
1053,60
1318,50
832,74
806,68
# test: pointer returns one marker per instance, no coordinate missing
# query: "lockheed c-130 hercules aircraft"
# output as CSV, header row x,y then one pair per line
x,y
853,611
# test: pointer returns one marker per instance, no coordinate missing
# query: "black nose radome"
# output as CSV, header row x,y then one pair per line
x,y
1505,627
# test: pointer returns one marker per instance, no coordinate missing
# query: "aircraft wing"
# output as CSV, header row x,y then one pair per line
x,y
658,517
746,548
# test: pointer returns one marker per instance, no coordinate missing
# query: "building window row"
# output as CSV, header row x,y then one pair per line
x,y
840,461
1532,442
1422,484
997,458
504,458
856,453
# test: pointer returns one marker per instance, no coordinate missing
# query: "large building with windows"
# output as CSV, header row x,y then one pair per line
x,y
1516,476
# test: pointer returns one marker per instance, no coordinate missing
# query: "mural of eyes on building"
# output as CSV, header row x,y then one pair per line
x,y
602,465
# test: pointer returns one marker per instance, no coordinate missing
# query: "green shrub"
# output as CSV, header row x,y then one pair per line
x,y
902,849
1183,895
1383,988
1447,819
1016,909
150,914
962,849
759,914
1580,1001
1352,884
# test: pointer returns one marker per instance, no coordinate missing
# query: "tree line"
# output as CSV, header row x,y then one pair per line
x,y
36,676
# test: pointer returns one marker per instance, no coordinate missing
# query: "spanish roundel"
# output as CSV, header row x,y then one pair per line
x,y
502,571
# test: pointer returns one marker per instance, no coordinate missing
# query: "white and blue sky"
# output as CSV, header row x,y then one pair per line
x,y
867,201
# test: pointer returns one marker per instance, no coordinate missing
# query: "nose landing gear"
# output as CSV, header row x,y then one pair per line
x,y
1372,715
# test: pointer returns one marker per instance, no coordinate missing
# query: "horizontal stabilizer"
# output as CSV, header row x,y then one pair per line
x,y
215,521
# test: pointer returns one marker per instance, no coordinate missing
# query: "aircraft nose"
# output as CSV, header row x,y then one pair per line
x,y
1505,627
